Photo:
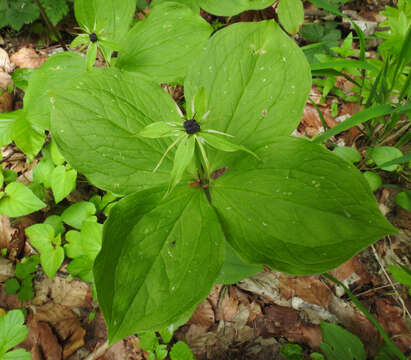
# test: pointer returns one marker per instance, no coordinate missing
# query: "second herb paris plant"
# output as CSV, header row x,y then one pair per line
x,y
233,177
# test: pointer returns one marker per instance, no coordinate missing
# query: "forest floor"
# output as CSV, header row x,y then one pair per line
x,y
248,320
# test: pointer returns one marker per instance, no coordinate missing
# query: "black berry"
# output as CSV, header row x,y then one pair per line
x,y
93,37
191,126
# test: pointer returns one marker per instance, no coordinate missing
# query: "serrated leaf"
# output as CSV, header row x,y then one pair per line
x,y
183,157
171,254
28,138
20,201
12,286
63,182
165,44
57,70
16,13
55,9
297,188
291,15
27,266
12,330
263,78
110,153
233,7
340,344
26,291
77,213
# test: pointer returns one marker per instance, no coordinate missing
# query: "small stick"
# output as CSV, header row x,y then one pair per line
x,y
98,351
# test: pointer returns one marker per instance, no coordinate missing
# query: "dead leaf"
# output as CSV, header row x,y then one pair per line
x,y
228,305
6,269
5,64
5,81
6,102
27,57
203,315
70,293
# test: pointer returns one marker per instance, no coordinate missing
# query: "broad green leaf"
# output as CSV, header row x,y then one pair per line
x,y
292,352
56,222
300,210
74,247
219,142
165,44
55,154
234,269
57,70
91,234
291,15
157,129
27,266
82,267
404,199
52,260
402,275
41,237
181,351
233,7
27,137
340,344
96,122
111,16
19,201
12,330
18,354
42,173
384,154
148,341
7,121
158,261
12,286
26,291
183,157
91,55
348,154
192,4
21,77
256,80
63,182
373,179
9,176
77,213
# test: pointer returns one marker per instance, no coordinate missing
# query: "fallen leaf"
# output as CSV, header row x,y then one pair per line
x,y
27,57
6,102
203,315
5,64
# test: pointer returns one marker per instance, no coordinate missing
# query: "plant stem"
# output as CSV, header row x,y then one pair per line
x,y
50,25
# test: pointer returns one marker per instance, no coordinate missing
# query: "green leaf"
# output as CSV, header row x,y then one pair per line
x,y
16,13
157,130
26,291
297,188
165,44
109,152
384,154
18,354
348,154
12,286
42,173
166,334
373,179
19,201
251,71
148,259
233,7
55,9
52,260
181,351
148,341
220,143
27,266
404,199
91,55
234,269
28,138
12,330
63,182
7,121
21,77
292,352
291,15
111,16
77,213
402,275
74,246
340,344
9,176
82,267
56,156
192,4
182,159
53,74
56,222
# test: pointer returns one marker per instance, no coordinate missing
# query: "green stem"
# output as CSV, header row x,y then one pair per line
x,y
368,315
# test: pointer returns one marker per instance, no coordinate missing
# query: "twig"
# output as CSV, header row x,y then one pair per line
x,y
396,134
98,352
399,298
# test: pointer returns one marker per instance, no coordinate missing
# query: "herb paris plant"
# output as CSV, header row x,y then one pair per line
x,y
294,206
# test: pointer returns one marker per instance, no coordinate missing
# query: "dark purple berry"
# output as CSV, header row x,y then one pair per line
x,y
93,37
191,126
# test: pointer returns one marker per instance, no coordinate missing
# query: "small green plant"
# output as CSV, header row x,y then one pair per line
x,y
12,332
22,284
157,350
16,13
